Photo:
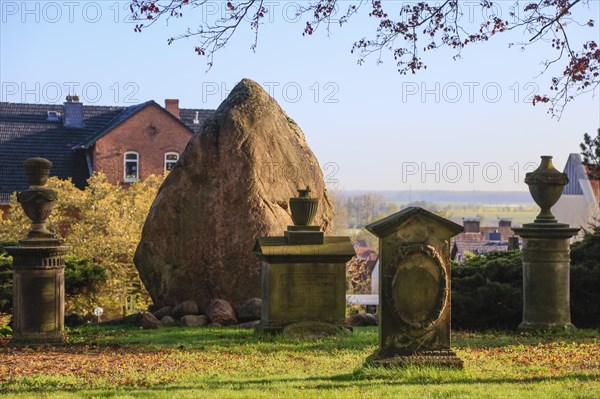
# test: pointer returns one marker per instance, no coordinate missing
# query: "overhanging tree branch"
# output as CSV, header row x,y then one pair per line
x,y
437,25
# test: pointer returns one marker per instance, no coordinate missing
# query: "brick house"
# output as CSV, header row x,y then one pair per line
x,y
126,143
479,239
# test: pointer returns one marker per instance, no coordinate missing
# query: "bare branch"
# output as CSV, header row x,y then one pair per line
x,y
437,25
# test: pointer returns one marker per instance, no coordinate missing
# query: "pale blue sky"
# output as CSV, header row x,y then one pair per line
x,y
370,127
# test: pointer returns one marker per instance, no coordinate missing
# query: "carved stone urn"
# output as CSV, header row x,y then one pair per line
x,y
37,201
546,186
304,208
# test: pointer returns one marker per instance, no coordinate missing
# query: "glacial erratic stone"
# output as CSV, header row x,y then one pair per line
x,y
221,312
250,310
231,185
194,321
147,321
184,308
167,320
361,320
162,312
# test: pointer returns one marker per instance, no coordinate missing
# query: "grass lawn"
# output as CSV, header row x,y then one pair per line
x,y
219,363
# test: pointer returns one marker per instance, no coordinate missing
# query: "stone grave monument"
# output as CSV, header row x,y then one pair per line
x,y
546,254
303,272
414,294
38,265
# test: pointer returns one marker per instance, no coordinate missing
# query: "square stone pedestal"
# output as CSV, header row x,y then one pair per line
x,y
303,282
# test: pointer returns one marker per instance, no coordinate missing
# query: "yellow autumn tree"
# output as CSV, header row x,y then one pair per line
x,y
102,223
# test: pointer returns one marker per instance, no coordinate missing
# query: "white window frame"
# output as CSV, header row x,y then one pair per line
x,y
137,167
170,161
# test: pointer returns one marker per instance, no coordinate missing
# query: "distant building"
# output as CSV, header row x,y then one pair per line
x,y
475,232
579,205
371,258
481,240
461,248
126,143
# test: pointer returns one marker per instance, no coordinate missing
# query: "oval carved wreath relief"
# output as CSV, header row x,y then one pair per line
x,y
416,285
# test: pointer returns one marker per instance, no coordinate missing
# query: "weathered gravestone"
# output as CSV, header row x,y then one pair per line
x,y
303,273
414,315
546,254
231,186
38,265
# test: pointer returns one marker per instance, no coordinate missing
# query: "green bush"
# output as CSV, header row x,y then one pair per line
x,y
5,279
585,280
82,275
487,291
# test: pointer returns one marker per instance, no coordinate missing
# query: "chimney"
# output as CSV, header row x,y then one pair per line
x,y
172,105
505,222
73,113
471,225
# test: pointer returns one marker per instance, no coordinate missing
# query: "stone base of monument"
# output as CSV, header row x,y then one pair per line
x,y
38,294
441,358
321,329
526,326
546,267
312,330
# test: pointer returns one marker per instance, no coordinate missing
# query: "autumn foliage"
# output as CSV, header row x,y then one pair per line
x,y
103,225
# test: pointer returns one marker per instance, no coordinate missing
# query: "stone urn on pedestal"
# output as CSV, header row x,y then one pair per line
x,y
303,273
38,265
546,186
37,202
546,254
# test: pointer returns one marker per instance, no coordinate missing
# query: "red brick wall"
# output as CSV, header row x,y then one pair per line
x,y
3,208
151,133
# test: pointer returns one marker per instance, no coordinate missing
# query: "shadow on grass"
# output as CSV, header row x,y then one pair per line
x,y
358,379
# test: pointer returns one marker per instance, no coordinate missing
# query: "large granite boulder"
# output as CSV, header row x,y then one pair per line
x,y
231,185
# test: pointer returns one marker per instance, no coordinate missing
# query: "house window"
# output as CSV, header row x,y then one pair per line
x,y
132,167
171,159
